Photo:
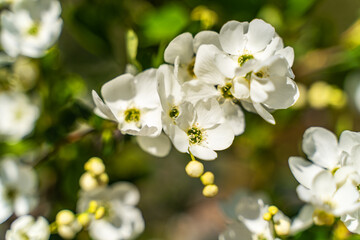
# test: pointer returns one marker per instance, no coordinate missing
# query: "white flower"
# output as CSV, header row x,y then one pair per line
x,y
31,28
26,227
122,219
18,115
18,189
201,130
254,64
182,49
133,102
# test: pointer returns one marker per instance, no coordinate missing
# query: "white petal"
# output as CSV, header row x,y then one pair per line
x,y
234,117
206,37
22,205
102,110
232,37
259,35
351,221
146,89
303,220
179,138
220,137
288,54
304,171
258,90
202,152
181,46
226,65
205,68
125,192
285,95
240,88
264,113
208,113
197,90
320,145
159,146
324,185
304,193
348,140
346,199
5,210
169,88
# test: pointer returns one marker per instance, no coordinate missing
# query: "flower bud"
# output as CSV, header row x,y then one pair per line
x,y
273,210
267,216
194,169
282,227
95,165
321,218
207,178
93,205
100,212
65,217
66,232
210,190
83,219
88,182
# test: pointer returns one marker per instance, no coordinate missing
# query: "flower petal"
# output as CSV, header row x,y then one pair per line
x,y
303,220
259,35
202,152
159,146
234,117
206,37
232,37
181,46
264,113
219,137
304,171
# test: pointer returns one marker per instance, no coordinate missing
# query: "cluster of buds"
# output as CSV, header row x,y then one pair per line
x,y
66,224
280,224
195,169
95,175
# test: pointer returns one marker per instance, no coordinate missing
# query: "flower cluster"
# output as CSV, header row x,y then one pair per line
x,y
197,97
330,182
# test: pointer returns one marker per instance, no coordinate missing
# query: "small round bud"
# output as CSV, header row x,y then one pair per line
x,y
282,227
66,232
100,212
93,205
95,165
103,179
207,178
210,190
273,210
194,169
267,216
88,182
83,219
65,217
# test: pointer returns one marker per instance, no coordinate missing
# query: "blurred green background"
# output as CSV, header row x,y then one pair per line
x,y
95,47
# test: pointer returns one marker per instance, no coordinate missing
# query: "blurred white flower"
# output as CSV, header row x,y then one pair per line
x,y
18,188
18,115
25,227
121,220
31,27
251,220
133,102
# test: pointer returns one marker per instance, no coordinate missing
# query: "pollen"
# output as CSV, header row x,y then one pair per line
x,y
195,135
225,91
34,29
174,112
244,58
132,115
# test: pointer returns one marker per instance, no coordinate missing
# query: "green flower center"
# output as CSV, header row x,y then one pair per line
x,y
244,58
195,135
34,29
132,115
260,74
225,90
174,112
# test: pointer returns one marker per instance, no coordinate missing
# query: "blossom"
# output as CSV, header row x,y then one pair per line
x,y
18,115
253,64
121,220
26,227
18,188
133,102
31,27
201,130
